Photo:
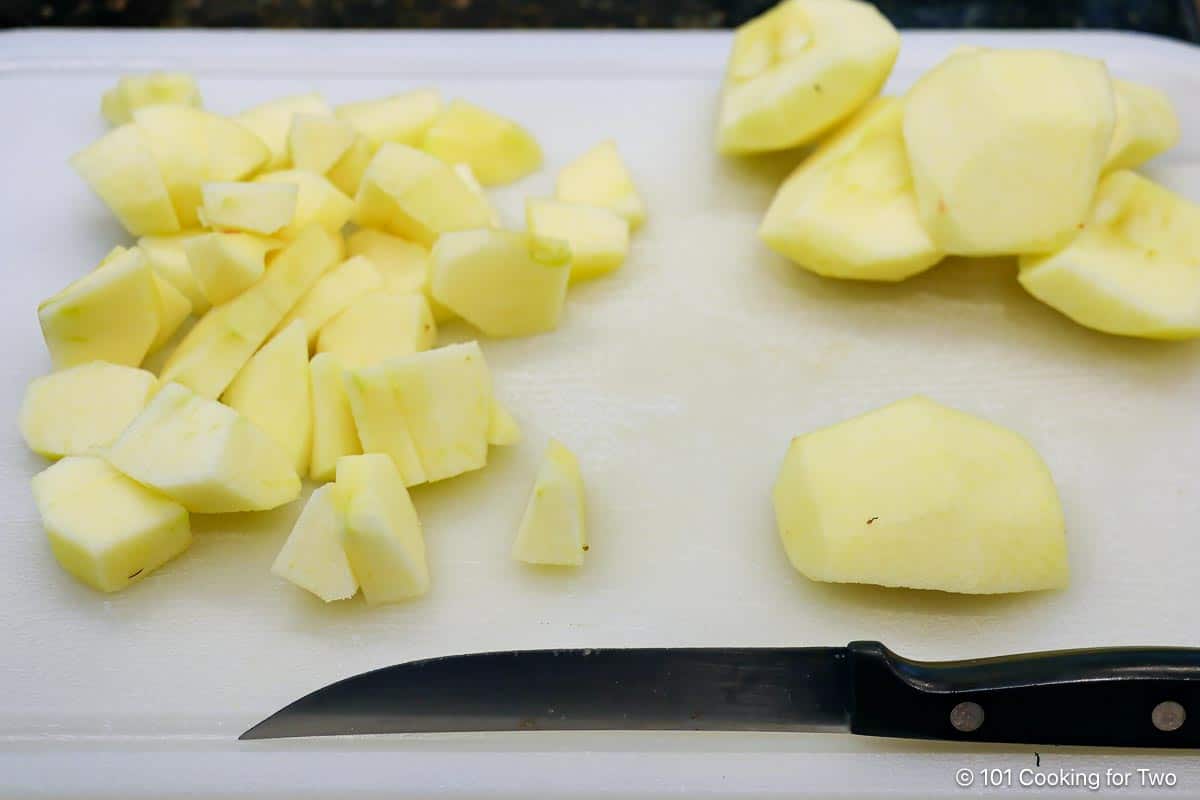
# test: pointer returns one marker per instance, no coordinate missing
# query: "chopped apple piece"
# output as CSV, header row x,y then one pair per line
x,y
347,173
105,529
377,326
121,171
154,89
799,69
504,283
111,314
919,495
83,408
599,178
251,207
334,293
849,210
318,141
382,534
173,309
497,149
317,202
272,391
465,172
599,237
1005,148
554,528
334,434
224,339
402,118
1135,268
193,147
169,260
414,195
272,120
313,557
381,428
1145,126
503,430
404,266
227,264
204,455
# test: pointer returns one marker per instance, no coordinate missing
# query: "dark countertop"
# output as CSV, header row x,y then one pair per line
x,y
1176,18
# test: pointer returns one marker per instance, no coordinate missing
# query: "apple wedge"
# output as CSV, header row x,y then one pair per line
x,y
133,92
401,118
919,495
333,432
272,120
316,142
313,556
377,326
380,425
599,178
173,309
598,237
554,528
498,150
83,408
122,172
332,294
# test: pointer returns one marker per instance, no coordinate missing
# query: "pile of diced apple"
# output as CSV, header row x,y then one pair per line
x,y
1022,153
292,352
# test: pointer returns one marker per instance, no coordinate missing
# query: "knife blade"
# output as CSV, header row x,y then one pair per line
x,y
1117,697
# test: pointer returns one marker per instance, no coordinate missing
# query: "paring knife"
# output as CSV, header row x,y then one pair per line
x,y
1121,697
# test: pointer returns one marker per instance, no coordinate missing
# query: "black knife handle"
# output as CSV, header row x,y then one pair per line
x,y
1119,697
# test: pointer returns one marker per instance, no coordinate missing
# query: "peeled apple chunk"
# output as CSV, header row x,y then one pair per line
x,y
404,266
799,69
111,314
168,259
272,391
154,89
402,118
1146,125
380,425
919,495
377,326
347,173
598,237
226,337
599,178
122,172
1006,148
272,120
227,264
1135,268
848,210
250,207
498,150
504,283
105,529
173,309
333,431
317,202
465,172
318,141
554,528
83,408
333,293
382,536
313,557
204,455
416,196
502,428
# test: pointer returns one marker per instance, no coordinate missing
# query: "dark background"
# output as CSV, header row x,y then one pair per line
x,y
1176,18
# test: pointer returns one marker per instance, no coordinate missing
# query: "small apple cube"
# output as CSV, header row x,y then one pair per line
x,y
333,294
120,169
111,314
318,141
382,536
554,528
153,89
1134,270
498,150
503,430
83,408
313,557
504,283
465,172
227,264
919,495
105,529
599,178
173,309
380,425
599,238
347,173
204,455
318,202
404,266
169,261
1145,126
377,326
799,69
402,118
414,195
333,431
251,207
272,120
272,391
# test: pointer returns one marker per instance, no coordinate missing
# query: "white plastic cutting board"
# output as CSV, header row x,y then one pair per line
x,y
678,382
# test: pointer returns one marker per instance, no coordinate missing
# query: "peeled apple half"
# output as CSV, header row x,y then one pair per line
x,y
923,496
849,211
799,69
1134,270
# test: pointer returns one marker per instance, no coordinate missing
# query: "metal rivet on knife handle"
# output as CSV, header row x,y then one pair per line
x,y
1168,716
966,717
